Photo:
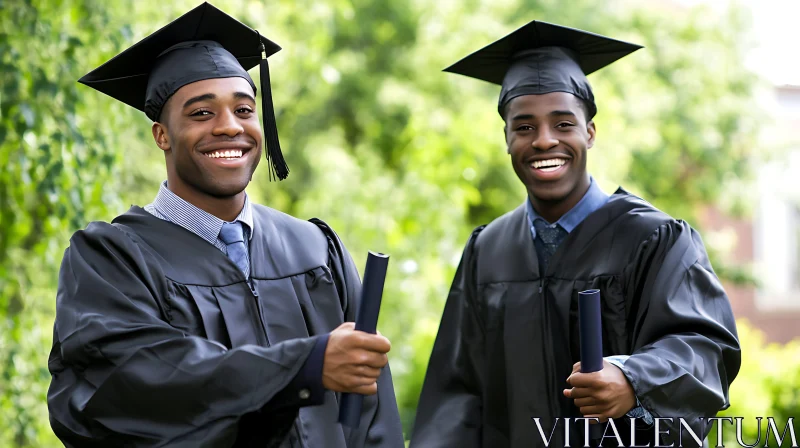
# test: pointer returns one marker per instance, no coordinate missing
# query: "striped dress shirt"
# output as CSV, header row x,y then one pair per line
x,y
171,207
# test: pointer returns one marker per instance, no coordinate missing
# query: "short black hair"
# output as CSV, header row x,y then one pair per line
x,y
581,103
164,113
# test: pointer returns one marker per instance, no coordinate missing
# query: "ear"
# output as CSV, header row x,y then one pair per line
x,y
592,132
161,136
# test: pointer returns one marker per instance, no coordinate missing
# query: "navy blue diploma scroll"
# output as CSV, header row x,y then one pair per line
x,y
591,331
366,321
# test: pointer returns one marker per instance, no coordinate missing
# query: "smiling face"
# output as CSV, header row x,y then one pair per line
x,y
210,134
547,137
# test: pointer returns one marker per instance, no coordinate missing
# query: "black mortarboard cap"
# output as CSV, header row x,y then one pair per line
x,y
204,43
541,58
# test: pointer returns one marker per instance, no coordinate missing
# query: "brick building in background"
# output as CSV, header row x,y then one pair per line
x,y
769,239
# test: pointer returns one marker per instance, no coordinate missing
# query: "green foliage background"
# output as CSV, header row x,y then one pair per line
x,y
396,155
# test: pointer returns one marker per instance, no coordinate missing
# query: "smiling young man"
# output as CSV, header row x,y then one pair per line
x,y
505,371
202,319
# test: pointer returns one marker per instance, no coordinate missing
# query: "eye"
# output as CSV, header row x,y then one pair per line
x,y
524,127
244,110
200,113
564,124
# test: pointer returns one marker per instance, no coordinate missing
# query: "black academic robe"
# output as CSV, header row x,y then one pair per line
x,y
509,337
159,340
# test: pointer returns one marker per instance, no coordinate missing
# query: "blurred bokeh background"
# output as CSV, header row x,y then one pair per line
x,y
402,158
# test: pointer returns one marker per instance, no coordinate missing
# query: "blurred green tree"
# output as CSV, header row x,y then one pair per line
x,y
59,150
396,155
768,385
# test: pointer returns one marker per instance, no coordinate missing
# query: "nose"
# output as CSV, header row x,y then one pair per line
x,y
227,123
544,140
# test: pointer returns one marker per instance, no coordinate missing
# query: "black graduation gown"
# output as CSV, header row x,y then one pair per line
x,y
159,341
508,337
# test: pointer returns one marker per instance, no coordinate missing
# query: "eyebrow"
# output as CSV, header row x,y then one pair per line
x,y
211,96
558,113
197,99
240,95
555,113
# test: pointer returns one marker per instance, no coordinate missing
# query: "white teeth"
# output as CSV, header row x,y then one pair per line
x,y
555,163
229,154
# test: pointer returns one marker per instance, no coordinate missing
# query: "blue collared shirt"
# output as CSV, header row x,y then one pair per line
x,y
307,385
171,207
591,201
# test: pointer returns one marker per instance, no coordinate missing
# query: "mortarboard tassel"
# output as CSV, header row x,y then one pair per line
x,y
278,166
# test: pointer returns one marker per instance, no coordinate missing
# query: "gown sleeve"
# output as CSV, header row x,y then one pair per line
x,y
449,413
380,424
122,376
686,351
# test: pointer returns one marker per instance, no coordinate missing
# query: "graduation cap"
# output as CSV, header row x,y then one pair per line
x,y
541,58
204,43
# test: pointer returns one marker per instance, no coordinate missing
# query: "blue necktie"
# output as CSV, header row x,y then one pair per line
x,y
550,238
232,235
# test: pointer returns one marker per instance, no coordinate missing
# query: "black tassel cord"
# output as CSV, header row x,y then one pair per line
x,y
278,166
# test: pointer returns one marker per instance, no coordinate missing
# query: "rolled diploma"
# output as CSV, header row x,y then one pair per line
x,y
366,321
591,331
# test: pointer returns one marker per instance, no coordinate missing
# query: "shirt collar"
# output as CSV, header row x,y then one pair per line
x,y
591,201
196,220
